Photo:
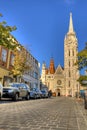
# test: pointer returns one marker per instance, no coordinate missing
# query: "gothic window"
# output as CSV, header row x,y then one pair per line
x,y
69,74
69,63
73,52
69,52
59,82
69,83
48,84
4,55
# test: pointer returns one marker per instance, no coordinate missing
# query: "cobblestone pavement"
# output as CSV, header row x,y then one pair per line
x,y
56,113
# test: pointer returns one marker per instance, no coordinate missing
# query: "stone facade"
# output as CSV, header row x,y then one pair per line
x,y
63,81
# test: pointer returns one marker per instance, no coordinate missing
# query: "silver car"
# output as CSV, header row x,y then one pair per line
x,y
16,91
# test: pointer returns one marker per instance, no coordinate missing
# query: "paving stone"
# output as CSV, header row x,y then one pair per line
x,y
57,113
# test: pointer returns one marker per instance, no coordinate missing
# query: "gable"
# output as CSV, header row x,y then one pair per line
x,y
59,70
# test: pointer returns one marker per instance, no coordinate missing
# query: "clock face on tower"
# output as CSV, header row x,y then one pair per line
x,y
59,82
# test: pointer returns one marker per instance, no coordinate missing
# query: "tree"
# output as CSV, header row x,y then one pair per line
x,y
6,39
82,63
21,62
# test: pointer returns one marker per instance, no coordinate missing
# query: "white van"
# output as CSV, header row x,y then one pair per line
x,y
1,90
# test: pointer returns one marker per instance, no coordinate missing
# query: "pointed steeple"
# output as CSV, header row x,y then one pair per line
x,y
52,67
71,24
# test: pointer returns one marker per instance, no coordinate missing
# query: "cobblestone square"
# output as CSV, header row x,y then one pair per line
x,y
57,113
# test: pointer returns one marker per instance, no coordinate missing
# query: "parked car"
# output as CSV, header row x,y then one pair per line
x,y
16,91
39,93
33,93
1,91
44,93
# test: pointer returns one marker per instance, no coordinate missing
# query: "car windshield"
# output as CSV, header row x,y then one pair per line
x,y
43,90
13,85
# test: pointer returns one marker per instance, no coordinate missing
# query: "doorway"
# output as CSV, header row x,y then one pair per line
x,y
58,92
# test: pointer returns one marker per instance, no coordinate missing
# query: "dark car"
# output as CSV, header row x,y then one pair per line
x,y
44,93
16,91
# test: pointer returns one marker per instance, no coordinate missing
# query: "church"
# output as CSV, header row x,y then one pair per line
x,y
63,80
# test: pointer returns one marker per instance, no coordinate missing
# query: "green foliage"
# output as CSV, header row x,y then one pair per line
x,y
82,63
6,39
82,58
82,79
21,64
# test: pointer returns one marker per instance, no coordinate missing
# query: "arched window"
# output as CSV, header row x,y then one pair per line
x,y
69,74
73,52
69,52
4,55
69,83
69,63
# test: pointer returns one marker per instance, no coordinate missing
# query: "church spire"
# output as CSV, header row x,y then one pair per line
x,y
71,24
52,67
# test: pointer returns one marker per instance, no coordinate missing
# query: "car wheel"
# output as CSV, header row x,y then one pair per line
x,y
16,97
28,97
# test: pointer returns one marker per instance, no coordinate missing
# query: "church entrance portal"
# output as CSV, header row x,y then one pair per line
x,y
58,92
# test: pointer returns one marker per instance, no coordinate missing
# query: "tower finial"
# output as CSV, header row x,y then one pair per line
x,y
71,24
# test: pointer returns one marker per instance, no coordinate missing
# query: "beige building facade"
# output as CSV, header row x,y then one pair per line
x,y
6,58
63,81
31,76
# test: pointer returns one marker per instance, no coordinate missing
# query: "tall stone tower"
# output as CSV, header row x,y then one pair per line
x,y
70,57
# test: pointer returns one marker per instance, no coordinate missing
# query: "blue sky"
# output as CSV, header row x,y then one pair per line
x,y
43,24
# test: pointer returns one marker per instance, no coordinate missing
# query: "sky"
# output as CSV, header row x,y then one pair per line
x,y
43,24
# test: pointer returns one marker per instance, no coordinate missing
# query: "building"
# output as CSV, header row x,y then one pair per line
x,y
6,63
32,76
7,57
63,81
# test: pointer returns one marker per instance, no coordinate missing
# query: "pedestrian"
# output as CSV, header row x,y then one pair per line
x,y
49,93
85,99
